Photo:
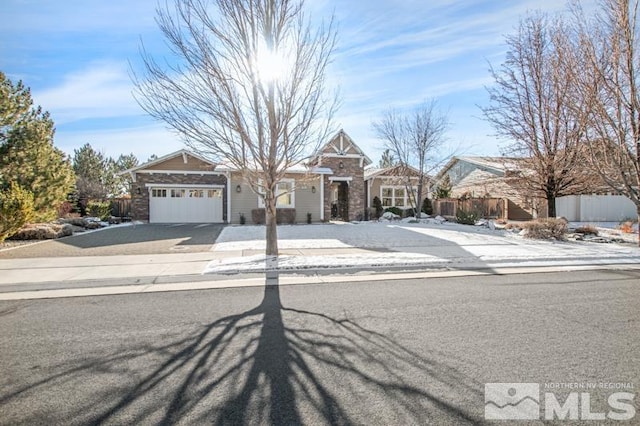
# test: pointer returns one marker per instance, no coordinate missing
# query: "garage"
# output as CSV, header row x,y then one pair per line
x,y
185,204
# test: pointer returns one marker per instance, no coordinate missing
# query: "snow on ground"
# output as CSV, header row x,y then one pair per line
x,y
396,244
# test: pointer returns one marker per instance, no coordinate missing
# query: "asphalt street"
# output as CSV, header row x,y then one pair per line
x,y
376,353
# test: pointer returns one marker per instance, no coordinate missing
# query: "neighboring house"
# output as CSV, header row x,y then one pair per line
x,y
186,187
395,186
500,177
492,177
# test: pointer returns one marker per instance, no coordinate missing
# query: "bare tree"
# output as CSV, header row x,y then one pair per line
x,y
248,87
414,139
531,106
609,84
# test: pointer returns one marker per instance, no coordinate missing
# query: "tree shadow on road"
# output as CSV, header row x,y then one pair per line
x,y
268,365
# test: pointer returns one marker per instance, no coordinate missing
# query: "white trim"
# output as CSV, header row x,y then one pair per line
x,y
322,198
168,157
184,157
407,198
344,156
292,193
180,172
228,176
340,178
181,185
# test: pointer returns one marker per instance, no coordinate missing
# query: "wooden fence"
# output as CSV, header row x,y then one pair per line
x,y
488,208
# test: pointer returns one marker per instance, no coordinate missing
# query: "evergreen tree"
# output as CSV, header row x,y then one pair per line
x,y
90,168
443,190
27,155
387,160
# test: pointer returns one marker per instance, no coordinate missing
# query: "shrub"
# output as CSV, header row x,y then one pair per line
x,y
43,231
16,209
282,216
308,218
377,205
394,210
243,220
546,229
99,209
466,218
427,206
626,227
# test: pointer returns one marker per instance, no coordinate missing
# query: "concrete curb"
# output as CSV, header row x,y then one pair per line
x,y
293,280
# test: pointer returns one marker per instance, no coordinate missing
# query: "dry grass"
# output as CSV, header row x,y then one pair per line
x,y
546,229
626,227
43,231
587,230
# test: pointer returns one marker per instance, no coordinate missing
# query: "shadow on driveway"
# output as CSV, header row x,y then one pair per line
x,y
125,240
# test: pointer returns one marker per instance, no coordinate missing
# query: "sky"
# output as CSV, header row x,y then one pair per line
x,y
77,57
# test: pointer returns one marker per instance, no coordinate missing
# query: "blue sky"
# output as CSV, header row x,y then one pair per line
x,y
76,55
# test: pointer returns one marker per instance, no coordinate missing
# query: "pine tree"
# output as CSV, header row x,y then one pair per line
x,y
443,190
27,155
387,160
90,168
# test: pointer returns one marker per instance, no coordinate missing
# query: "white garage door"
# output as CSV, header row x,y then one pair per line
x,y
185,205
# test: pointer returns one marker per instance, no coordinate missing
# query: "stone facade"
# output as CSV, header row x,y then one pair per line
x,y
345,168
140,202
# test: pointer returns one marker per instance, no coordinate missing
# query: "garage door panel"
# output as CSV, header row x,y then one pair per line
x,y
185,205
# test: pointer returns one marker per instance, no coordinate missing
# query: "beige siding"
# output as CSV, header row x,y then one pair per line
x,y
177,163
305,200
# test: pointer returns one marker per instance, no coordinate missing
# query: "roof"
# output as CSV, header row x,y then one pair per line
x,y
168,157
341,136
374,172
498,164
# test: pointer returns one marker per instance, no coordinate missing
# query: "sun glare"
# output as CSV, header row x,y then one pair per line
x,y
271,65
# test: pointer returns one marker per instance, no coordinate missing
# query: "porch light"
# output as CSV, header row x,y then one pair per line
x,y
238,188
313,189
138,191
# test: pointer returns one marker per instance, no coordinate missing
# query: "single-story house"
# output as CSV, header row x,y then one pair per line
x,y
498,177
186,187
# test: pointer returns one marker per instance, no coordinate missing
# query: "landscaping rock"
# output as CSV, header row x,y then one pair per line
x,y
390,216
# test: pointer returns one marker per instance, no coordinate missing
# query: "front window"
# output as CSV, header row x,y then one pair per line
x,y
285,193
396,196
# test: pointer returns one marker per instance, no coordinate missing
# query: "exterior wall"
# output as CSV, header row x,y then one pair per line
x,y
595,208
177,163
352,167
378,182
305,200
140,202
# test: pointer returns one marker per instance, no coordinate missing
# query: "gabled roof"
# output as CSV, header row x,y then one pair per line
x,y
182,152
341,144
398,170
498,165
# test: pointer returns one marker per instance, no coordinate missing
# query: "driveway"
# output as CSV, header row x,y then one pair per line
x,y
125,240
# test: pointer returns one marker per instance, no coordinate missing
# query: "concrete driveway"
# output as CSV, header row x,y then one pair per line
x,y
125,240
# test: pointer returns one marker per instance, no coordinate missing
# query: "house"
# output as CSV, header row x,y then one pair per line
x,y
492,177
336,182
500,177
395,186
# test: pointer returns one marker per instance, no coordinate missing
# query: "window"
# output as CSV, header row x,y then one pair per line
x,y
214,193
158,193
396,196
196,193
285,193
177,193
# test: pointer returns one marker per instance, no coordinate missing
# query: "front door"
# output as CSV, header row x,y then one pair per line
x,y
340,201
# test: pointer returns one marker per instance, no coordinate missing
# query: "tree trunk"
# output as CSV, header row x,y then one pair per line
x,y
638,206
272,225
419,201
551,205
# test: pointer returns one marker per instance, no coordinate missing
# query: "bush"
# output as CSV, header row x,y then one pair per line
x,y
16,209
43,231
309,219
377,205
427,207
546,229
282,216
466,218
243,220
394,210
100,209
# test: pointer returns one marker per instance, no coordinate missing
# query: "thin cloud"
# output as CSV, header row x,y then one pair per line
x,y
103,90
